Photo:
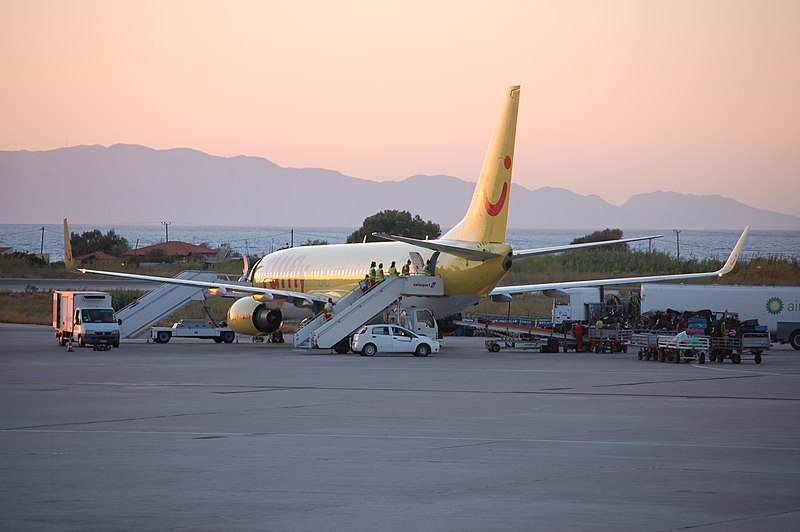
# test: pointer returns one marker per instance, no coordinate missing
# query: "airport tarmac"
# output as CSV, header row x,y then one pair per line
x,y
194,435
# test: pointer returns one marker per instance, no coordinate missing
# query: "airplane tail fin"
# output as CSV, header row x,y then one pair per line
x,y
487,217
68,260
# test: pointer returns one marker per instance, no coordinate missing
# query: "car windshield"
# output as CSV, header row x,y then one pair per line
x,y
101,315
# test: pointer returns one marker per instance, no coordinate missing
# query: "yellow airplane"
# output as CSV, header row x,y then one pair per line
x,y
472,258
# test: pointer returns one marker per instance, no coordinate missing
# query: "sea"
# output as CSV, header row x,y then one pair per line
x,y
259,241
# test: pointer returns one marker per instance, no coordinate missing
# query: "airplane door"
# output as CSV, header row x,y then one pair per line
x,y
416,262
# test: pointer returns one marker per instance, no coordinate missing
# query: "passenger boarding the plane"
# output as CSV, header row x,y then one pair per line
x,y
372,274
426,270
328,309
407,268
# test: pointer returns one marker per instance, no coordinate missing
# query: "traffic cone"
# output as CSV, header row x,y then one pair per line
x,y
69,345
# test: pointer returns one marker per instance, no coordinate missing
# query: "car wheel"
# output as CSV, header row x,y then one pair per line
x,y
423,350
81,343
163,337
369,350
217,339
228,337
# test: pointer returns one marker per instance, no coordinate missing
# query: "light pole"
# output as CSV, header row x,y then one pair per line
x,y
166,230
678,241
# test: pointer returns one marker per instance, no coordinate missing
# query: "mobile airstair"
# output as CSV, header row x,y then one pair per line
x,y
360,306
157,304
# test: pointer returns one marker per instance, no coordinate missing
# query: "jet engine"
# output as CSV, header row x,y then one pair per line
x,y
248,316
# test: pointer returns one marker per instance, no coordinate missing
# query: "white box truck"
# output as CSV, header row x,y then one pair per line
x,y
777,307
86,317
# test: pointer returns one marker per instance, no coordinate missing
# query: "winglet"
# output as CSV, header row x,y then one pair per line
x,y
68,260
731,262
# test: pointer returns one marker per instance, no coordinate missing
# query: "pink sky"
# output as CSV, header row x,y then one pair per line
x,y
618,97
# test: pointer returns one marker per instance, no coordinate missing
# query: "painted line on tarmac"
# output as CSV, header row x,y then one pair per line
x,y
747,371
714,446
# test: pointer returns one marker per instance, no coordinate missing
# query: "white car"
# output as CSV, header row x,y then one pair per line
x,y
391,339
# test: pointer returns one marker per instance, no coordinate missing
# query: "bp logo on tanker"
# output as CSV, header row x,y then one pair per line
x,y
774,305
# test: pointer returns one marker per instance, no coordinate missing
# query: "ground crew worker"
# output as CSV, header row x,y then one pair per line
x,y
372,274
379,275
393,270
407,268
328,309
426,270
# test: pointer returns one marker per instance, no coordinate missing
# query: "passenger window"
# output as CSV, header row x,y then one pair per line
x,y
380,330
402,332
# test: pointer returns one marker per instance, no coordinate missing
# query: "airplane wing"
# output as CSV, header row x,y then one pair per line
x,y
523,253
470,251
297,298
539,287
466,250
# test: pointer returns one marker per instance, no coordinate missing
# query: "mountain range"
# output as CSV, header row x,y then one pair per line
x,y
129,184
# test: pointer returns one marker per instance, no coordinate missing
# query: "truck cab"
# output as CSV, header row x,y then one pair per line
x,y
415,319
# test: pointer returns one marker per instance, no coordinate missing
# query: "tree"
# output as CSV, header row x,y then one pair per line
x,y
599,236
92,241
394,222
315,242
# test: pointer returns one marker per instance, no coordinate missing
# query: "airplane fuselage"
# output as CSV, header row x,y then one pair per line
x,y
336,269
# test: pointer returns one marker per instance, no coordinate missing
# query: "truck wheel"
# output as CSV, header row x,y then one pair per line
x,y
736,358
217,339
702,358
163,337
794,339
228,337
423,350
81,343
115,344
757,358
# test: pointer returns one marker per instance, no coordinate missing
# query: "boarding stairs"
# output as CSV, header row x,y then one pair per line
x,y
157,304
359,307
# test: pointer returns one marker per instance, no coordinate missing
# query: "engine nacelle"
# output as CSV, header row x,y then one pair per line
x,y
248,316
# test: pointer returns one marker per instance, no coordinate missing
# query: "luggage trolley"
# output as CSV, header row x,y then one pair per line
x,y
734,347
608,339
683,346
647,342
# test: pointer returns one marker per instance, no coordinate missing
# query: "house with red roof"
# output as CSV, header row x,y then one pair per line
x,y
176,249
95,255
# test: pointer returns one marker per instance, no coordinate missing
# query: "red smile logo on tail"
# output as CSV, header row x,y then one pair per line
x,y
493,209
